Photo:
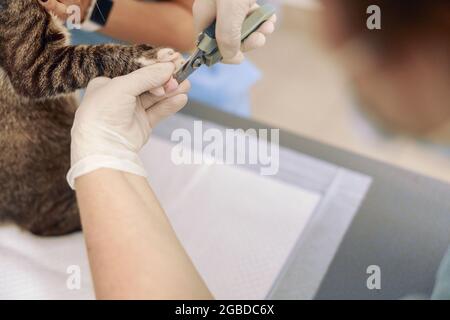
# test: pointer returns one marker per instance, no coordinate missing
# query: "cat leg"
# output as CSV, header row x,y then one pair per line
x,y
55,217
40,64
70,222
67,69
62,219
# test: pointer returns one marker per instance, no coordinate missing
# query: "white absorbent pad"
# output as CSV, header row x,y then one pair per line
x,y
41,268
237,226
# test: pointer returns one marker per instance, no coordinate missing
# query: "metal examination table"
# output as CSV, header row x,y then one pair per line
x,y
403,225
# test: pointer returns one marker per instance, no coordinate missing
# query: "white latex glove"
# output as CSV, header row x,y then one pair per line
x,y
230,17
116,117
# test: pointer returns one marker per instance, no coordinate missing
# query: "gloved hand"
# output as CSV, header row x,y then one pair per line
x,y
230,16
116,117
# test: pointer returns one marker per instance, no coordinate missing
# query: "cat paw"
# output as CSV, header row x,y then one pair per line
x,y
162,55
170,55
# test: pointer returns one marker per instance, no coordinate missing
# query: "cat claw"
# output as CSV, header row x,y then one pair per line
x,y
169,55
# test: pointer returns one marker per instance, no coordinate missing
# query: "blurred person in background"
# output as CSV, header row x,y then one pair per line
x,y
400,73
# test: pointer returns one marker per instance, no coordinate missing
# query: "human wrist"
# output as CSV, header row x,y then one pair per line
x,y
108,150
93,181
130,163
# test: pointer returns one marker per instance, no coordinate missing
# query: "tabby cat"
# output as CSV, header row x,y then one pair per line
x,y
39,72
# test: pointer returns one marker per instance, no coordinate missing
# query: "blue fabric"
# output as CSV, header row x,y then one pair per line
x,y
83,37
224,87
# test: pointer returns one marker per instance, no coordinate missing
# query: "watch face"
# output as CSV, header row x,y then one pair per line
x,y
101,11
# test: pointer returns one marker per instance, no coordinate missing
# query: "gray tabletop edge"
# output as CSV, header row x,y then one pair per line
x,y
396,194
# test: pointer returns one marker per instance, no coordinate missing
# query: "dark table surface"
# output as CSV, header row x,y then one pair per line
x,y
402,226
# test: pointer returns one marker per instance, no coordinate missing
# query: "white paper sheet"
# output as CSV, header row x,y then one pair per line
x,y
237,226
37,268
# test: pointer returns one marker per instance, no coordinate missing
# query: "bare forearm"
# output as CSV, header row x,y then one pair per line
x,y
133,250
167,23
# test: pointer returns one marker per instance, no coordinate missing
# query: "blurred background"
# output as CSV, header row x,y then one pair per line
x,y
305,89
323,74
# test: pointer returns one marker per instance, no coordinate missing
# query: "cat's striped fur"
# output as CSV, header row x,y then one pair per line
x,y
39,71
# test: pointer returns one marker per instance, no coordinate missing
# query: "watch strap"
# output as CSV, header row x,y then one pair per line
x,y
97,15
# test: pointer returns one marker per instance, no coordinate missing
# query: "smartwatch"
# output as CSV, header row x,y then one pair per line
x,y
97,15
